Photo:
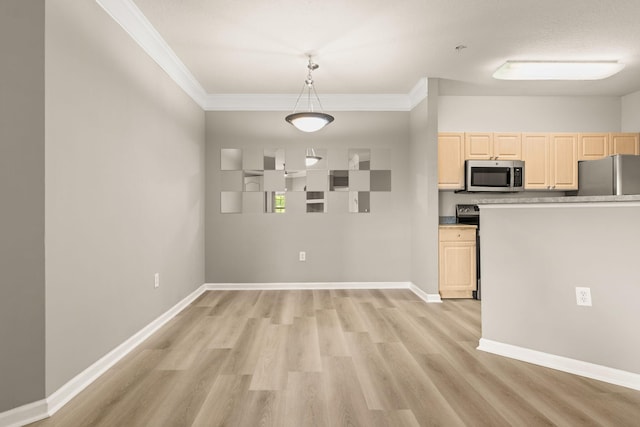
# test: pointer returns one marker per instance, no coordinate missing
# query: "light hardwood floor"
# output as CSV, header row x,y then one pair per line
x,y
335,358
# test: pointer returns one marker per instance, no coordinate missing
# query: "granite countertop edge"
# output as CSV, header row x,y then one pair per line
x,y
562,199
457,226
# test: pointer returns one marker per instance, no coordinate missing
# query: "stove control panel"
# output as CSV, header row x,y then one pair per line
x,y
467,210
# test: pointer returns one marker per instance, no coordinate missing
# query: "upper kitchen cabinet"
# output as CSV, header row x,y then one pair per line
x,y
507,146
551,161
593,146
537,167
564,161
478,146
492,146
624,143
451,161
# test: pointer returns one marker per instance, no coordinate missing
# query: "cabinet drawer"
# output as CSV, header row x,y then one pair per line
x,y
453,234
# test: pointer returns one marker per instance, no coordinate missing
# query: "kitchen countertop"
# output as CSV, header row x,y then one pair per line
x,y
447,220
563,199
458,226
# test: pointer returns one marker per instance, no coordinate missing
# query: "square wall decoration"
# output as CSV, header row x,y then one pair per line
x,y
297,180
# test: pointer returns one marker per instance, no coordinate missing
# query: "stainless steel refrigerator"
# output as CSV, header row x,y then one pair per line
x,y
614,175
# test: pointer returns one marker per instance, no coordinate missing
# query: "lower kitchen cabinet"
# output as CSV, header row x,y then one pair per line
x,y
457,261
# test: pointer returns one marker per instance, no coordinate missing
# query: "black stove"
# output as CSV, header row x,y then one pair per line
x,y
470,214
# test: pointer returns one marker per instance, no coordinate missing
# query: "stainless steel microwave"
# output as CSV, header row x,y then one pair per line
x,y
494,175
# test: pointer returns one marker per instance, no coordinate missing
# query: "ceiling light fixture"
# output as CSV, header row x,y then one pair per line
x,y
309,121
311,158
557,70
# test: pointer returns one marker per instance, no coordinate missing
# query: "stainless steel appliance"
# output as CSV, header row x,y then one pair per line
x,y
614,175
494,175
470,214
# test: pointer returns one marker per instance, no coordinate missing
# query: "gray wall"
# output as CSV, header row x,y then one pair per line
x,y
125,189
22,202
533,259
340,246
529,114
631,112
424,191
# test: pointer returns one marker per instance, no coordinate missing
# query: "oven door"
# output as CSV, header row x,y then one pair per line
x,y
489,175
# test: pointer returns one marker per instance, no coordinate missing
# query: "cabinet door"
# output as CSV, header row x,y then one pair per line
x,y
507,146
624,143
535,153
593,146
457,265
564,161
478,146
451,161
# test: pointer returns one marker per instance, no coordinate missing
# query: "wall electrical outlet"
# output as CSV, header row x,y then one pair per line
x,y
583,296
302,256
156,280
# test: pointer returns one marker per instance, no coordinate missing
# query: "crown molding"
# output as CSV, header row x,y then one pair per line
x,y
285,102
133,21
136,24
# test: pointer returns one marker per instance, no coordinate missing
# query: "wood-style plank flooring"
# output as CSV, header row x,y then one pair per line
x,y
335,358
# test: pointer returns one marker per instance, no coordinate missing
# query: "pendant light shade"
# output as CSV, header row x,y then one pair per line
x,y
309,121
312,158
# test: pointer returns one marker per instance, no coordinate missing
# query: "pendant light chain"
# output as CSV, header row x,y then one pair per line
x,y
309,82
309,121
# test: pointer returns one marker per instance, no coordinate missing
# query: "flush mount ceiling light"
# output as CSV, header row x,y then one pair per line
x,y
309,121
557,70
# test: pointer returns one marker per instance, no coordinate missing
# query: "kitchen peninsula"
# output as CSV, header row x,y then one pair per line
x,y
535,252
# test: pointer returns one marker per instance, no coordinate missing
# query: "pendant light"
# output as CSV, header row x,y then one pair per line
x,y
309,121
312,158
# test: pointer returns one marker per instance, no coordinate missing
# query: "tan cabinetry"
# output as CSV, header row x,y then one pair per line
x,y
593,146
478,146
564,161
535,153
551,161
451,161
456,147
457,261
492,146
507,146
624,143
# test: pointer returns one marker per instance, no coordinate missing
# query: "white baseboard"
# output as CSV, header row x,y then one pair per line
x,y
47,407
565,364
430,298
24,415
305,286
68,391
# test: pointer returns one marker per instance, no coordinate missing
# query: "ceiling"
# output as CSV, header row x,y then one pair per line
x,y
386,47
